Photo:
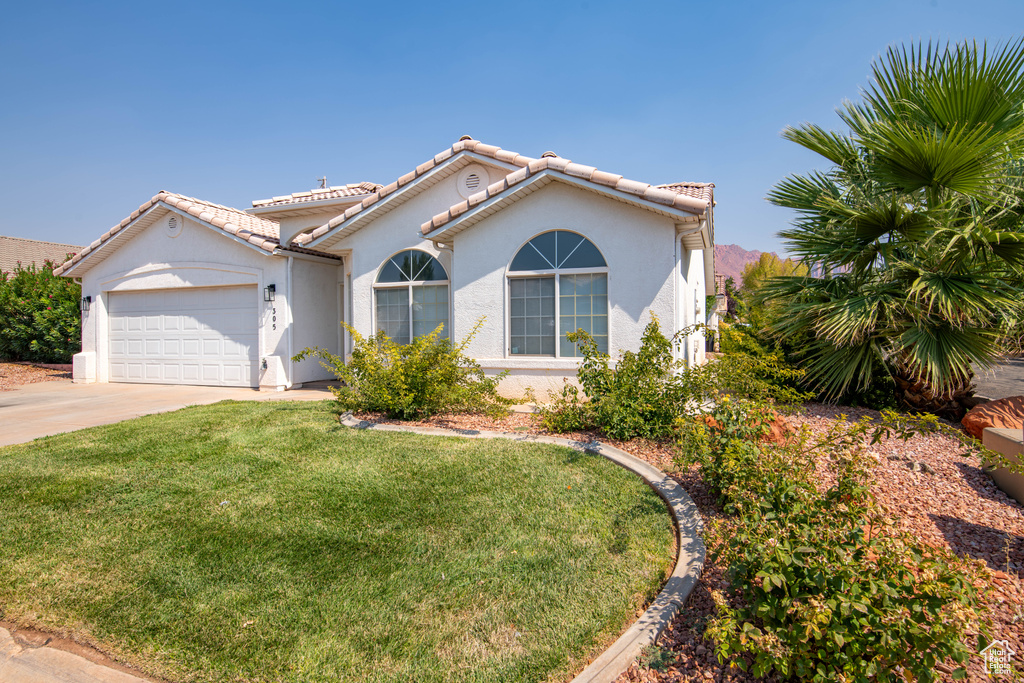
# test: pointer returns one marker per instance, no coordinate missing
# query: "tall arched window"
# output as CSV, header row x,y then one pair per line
x,y
557,283
411,296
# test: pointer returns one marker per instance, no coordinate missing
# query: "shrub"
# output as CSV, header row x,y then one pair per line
x,y
823,587
645,392
569,412
40,321
751,370
640,396
427,376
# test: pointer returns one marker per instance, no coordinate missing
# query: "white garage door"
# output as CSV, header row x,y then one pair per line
x,y
202,336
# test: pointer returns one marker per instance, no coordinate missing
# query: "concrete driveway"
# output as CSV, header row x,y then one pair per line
x,y
46,408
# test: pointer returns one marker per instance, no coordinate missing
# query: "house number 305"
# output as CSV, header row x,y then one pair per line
x,y
273,312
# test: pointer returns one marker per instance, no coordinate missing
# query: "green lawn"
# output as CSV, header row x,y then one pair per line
x,y
264,542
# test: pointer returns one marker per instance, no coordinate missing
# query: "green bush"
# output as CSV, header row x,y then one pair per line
x,y
40,321
645,392
640,396
823,587
569,412
428,376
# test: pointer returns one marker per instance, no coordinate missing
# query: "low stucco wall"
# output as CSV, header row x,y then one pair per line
x,y
1008,442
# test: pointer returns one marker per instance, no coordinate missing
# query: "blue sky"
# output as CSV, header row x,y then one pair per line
x,y
105,104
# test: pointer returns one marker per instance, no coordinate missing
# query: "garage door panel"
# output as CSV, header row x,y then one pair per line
x,y
189,336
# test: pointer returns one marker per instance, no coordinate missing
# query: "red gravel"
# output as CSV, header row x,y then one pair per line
x,y
13,375
957,506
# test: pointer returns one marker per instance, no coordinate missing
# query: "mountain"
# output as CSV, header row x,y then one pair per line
x,y
731,258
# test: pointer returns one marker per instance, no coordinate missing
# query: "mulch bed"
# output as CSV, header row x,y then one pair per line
x,y
955,505
13,375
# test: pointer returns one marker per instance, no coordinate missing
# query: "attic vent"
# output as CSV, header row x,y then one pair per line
x,y
173,226
471,180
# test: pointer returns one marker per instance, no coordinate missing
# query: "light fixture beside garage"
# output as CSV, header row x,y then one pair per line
x,y
86,302
268,292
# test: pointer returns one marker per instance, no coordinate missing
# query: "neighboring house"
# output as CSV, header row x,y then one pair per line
x,y
185,291
15,250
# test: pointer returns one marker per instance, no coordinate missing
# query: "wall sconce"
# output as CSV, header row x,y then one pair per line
x,y
86,302
268,292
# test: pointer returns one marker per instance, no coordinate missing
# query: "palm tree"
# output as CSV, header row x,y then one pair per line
x,y
914,235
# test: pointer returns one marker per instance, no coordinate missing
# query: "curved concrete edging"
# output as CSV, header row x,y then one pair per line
x,y
689,561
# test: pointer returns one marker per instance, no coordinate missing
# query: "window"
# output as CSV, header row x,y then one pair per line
x,y
558,283
411,296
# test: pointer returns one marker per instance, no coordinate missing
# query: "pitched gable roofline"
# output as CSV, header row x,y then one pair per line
x,y
256,232
677,199
466,145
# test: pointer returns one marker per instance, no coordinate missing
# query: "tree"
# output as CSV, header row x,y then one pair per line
x,y
766,267
913,235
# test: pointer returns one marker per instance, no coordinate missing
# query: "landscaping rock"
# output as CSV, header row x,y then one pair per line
x,y
1006,412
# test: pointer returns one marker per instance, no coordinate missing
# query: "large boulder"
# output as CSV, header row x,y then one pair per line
x,y
1006,412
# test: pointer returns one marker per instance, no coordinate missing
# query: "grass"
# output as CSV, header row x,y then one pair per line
x,y
263,542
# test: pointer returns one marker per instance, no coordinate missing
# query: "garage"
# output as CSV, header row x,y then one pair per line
x,y
195,335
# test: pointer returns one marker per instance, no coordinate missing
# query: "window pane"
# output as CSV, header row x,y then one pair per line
x,y
565,243
583,310
531,316
412,265
390,273
427,316
585,256
393,314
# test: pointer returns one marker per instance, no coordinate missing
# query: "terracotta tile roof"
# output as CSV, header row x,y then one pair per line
x,y
464,145
335,192
257,231
683,199
702,191
15,250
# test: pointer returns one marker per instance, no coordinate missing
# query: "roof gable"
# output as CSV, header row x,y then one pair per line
x,y
684,201
253,231
391,196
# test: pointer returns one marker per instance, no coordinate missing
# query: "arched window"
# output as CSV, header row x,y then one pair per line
x,y
411,296
557,283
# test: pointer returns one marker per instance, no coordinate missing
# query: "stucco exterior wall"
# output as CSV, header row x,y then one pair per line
x,y
315,307
638,246
196,257
393,232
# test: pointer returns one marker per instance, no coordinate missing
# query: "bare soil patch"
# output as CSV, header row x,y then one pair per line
x,y
13,375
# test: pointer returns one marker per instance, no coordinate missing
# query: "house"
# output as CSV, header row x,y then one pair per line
x,y
18,250
186,291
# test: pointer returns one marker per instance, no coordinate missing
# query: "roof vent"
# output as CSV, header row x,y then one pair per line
x,y
173,226
465,137
548,154
471,180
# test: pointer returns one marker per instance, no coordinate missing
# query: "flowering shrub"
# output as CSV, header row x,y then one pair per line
x,y
428,376
40,320
822,586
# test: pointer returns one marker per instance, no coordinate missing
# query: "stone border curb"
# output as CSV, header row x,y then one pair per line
x,y
689,561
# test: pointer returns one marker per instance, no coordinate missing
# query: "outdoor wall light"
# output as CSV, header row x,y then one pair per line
x,y
268,292
86,302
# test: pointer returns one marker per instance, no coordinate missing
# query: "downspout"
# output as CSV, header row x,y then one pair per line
x,y
291,324
451,288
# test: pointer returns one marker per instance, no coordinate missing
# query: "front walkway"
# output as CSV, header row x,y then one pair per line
x,y
34,410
